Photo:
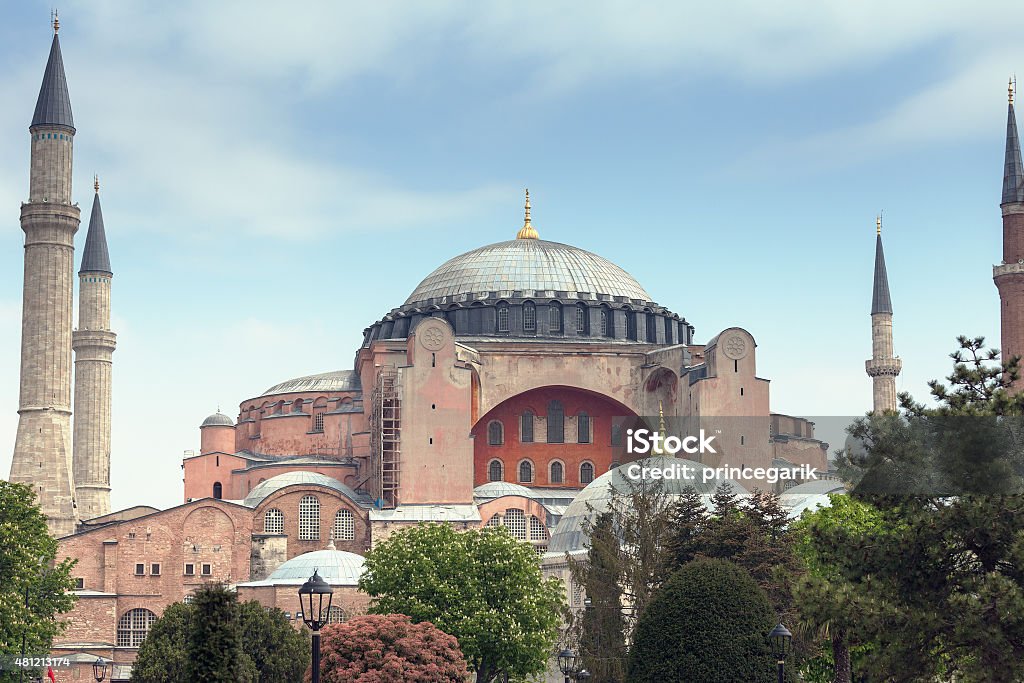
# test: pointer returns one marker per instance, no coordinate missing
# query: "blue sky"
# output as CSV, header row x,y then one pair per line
x,y
277,176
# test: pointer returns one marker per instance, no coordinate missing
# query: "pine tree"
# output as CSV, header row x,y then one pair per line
x,y
214,648
601,626
687,521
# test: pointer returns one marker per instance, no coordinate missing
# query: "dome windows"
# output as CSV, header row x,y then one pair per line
x,y
529,317
554,317
309,518
502,314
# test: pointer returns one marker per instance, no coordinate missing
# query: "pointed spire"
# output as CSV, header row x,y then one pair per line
x,y
527,232
53,107
880,301
1013,169
95,258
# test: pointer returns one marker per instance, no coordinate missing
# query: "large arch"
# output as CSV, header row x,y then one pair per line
x,y
602,412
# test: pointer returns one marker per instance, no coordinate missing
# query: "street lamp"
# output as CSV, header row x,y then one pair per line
x,y
99,669
314,613
781,641
568,664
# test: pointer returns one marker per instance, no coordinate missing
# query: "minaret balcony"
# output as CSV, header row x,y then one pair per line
x,y
882,367
1007,269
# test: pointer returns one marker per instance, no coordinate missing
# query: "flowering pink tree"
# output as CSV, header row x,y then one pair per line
x,y
389,649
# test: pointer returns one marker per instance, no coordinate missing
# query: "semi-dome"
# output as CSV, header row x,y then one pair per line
x,y
298,477
336,567
218,419
569,535
497,489
338,380
528,266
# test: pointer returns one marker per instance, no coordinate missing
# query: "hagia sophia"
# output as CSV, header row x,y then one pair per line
x,y
497,393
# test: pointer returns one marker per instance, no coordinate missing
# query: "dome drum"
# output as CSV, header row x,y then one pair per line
x,y
519,317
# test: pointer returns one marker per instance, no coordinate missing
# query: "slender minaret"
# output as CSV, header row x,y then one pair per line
x,y
42,448
1009,275
883,366
94,344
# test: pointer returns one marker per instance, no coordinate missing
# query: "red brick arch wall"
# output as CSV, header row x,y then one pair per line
x,y
600,452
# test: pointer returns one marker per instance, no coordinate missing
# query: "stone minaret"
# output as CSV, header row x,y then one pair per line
x,y
42,448
1009,275
883,366
93,343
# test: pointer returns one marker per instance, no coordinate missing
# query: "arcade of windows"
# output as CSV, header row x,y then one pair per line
x,y
525,470
531,529
343,529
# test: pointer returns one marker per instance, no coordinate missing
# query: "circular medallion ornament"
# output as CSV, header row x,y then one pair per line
x,y
735,347
432,338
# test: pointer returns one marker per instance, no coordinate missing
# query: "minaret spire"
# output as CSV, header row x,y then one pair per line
x,y
93,343
53,106
884,367
527,232
1009,274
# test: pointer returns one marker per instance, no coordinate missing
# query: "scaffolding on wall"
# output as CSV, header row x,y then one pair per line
x,y
386,422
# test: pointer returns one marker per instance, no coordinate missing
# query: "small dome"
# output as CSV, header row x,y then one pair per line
x,y
218,419
297,478
596,498
527,265
336,567
497,489
338,380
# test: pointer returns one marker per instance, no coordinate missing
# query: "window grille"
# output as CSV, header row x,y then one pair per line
x,y
538,532
502,318
133,626
273,522
529,317
309,518
515,522
344,525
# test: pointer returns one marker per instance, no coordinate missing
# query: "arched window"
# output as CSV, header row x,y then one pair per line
x,y
309,518
297,406
586,473
476,318
273,521
555,317
583,428
494,471
526,471
669,337
538,532
133,626
335,615
529,317
557,473
556,422
581,319
495,520
318,421
526,427
344,525
631,325
652,328
218,490
515,522
495,433
450,317
502,317
604,321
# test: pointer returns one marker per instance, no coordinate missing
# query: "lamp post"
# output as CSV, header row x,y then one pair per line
x,y
315,613
568,664
99,669
781,641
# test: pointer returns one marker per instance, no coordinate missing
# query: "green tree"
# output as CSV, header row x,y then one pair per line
x,y
390,649
214,639
709,622
269,648
934,584
35,589
601,627
482,586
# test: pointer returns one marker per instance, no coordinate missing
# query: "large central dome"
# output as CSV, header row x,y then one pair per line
x,y
527,266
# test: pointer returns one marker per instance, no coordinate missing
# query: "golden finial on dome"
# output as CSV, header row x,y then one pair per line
x,y
96,186
527,232
658,450
56,22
